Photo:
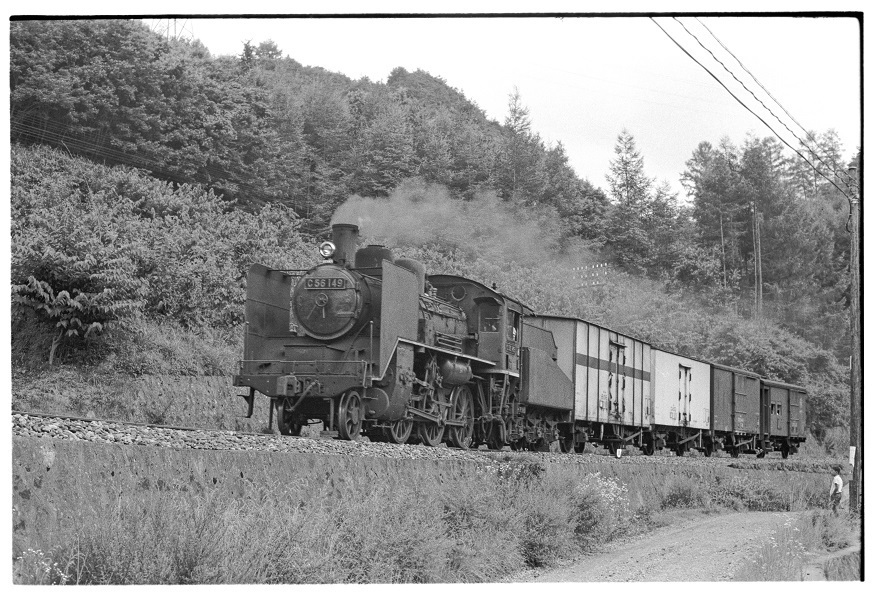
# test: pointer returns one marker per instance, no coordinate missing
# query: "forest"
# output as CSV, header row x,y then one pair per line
x,y
148,174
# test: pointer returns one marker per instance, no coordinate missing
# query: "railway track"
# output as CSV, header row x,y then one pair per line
x,y
109,431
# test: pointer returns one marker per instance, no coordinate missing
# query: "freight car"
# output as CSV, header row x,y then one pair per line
x,y
368,344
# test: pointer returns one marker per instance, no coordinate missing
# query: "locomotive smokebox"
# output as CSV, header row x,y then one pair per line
x,y
344,236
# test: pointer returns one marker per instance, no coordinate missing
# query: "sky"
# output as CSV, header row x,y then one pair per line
x,y
584,79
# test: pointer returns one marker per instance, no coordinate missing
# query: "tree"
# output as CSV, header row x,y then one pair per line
x,y
626,236
665,228
382,154
521,158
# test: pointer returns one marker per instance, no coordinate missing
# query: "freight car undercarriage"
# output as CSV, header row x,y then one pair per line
x,y
484,411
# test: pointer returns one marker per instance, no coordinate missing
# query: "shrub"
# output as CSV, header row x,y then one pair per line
x,y
784,552
682,491
75,271
94,247
601,509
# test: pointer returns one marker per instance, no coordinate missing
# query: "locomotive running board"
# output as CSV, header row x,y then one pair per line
x,y
434,348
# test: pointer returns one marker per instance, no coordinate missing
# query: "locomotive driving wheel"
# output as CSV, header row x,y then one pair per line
x,y
398,432
462,411
431,434
350,418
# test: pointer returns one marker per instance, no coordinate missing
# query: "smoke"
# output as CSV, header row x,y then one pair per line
x,y
420,214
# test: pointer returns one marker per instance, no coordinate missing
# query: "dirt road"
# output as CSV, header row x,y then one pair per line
x,y
697,547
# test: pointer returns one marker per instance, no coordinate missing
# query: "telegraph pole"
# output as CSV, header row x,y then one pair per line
x,y
856,434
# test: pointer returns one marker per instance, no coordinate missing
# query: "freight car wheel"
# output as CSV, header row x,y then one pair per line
x,y
708,450
785,450
567,444
398,432
649,449
462,401
734,451
350,419
680,450
580,447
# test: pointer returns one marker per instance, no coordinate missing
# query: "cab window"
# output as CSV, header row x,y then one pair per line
x,y
489,319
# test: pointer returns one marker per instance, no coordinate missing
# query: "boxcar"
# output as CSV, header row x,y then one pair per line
x,y
611,377
735,409
681,391
782,417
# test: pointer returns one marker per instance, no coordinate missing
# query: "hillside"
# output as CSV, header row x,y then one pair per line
x,y
173,170
117,274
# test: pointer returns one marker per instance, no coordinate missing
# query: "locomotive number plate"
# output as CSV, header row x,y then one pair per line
x,y
325,283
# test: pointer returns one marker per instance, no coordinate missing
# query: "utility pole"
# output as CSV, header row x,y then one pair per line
x,y
758,261
758,252
856,434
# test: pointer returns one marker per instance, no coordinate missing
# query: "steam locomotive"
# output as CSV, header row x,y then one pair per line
x,y
369,344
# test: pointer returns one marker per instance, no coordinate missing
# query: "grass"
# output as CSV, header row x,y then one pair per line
x,y
784,553
497,522
353,528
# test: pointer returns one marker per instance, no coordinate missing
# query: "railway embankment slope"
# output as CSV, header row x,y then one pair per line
x,y
62,468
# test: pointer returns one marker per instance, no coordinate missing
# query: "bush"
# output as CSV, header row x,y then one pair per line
x,y
76,269
601,509
94,247
783,554
682,491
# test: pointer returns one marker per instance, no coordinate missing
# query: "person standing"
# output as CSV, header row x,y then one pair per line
x,y
836,489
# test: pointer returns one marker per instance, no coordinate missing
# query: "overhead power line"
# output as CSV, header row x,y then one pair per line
x,y
725,87
809,135
700,22
763,104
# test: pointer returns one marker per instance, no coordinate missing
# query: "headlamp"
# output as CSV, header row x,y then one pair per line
x,y
327,249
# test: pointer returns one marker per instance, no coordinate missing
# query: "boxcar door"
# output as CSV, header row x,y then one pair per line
x,y
616,381
684,397
741,407
766,409
778,411
794,412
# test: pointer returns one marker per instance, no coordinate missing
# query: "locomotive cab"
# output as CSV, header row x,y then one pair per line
x,y
490,329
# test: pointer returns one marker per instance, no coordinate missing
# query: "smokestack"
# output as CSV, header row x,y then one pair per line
x,y
344,236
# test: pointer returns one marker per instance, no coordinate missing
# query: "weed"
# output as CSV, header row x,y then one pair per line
x,y
343,530
682,491
784,552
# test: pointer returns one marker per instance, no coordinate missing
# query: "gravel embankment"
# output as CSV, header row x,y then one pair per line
x,y
145,435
